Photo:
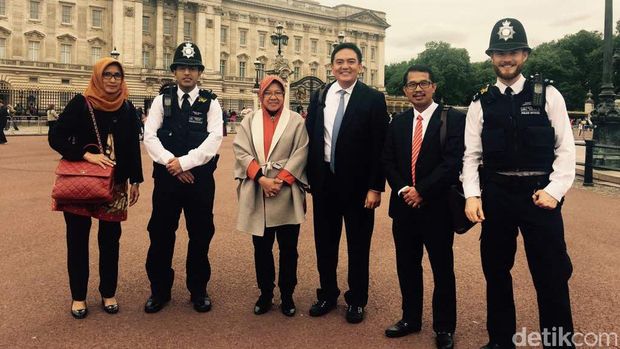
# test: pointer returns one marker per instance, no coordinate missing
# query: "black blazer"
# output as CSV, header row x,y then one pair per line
x,y
436,168
74,130
360,143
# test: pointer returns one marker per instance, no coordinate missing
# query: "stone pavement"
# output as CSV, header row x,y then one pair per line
x,y
35,299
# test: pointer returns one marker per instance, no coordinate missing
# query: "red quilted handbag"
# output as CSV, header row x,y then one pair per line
x,y
83,182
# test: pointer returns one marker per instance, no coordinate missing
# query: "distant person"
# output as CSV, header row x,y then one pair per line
x,y
52,116
73,136
4,118
12,118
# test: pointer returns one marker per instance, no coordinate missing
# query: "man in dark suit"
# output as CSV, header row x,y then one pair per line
x,y
346,124
420,167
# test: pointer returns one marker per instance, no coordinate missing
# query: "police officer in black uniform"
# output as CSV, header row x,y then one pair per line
x,y
520,131
183,133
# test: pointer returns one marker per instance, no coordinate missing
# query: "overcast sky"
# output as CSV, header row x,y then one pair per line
x,y
468,23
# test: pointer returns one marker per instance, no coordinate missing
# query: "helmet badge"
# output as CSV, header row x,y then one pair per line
x,y
506,31
188,50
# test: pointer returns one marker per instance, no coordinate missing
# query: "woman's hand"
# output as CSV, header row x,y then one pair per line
x,y
134,193
271,186
99,159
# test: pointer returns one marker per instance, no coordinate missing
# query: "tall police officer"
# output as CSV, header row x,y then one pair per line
x,y
526,145
182,135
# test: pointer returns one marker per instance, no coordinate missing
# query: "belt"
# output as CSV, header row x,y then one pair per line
x,y
516,180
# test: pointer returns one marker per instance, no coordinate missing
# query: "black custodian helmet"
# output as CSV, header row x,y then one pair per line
x,y
187,54
508,34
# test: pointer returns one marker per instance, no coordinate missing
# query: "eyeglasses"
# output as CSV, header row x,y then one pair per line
x,y
108,75
278,94
424,84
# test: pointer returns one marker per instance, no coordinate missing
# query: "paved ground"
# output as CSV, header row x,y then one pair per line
x,y
35,299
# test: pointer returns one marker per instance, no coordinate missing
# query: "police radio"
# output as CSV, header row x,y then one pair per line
x,y
538,87
167,99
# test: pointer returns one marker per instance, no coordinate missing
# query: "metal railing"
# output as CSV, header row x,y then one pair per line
x,y
598,156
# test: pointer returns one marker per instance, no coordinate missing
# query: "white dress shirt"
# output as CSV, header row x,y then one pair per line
x,y
563,174
332,99
426,118
196,157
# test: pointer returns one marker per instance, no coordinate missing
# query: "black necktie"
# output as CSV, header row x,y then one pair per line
x,y
186,106
508,91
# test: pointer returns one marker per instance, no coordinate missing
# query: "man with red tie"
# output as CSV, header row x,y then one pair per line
x,y
420,167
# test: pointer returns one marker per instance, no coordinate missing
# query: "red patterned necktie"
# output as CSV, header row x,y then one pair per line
x,y
416,145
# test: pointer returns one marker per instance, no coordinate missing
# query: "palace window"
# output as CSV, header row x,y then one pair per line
x,y
35,9
297,44
65,53
167,26
314,46
2,7
373,53
95,54
97,18
146,24
296,73
33,50
66,14
167,58
242,69
262,38
187,31
223,66
2,48
224,35
146,59
243,37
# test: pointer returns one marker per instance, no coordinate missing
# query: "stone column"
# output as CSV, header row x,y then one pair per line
x,y
381,63
118,17
216,16
180,22
137,34
159,36
201,33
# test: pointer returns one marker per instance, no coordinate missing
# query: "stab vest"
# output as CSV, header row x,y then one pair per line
x,y
516,135
181,132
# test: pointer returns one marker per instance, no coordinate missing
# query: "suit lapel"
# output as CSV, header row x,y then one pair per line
x,y
356,96
432,128
407,133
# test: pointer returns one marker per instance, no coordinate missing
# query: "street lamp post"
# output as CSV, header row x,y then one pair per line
x,y
257,67
605,110
279,38
114,53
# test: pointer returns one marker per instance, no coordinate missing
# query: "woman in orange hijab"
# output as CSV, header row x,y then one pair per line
x,y
271,148
73,137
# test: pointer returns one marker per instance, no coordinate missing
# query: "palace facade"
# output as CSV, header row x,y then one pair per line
x,y
52,44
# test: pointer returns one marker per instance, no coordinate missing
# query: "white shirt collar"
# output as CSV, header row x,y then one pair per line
x,y
517,87
192,94
349,90
427,113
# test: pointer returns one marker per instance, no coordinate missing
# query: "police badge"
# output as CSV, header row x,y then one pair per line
x,y
506,31
188,50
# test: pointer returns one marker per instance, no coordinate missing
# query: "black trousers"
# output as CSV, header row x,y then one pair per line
x,y
427,227
329,211
78,231
196,201
509,208
287,236
3,123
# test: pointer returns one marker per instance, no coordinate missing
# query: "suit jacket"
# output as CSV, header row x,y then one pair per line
x,y
436,168
359,145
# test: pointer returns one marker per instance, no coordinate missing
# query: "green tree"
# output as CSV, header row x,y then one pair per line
x,y
394,76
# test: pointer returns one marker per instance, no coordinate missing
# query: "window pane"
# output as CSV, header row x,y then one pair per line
x,y
313,71
242,69
34,10
167,26
146,24
65,54
33,50
296,73
187,30
313,46
167,59
146,59
297,44
373,53
2,7
66,14
224,35
261,40
2,48
95,54
243,37
97,18
223,67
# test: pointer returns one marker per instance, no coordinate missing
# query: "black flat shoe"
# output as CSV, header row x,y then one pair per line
x,y
110,309
154,305
444,340
321,308
288,307
79,313
400,329
202,304
263,305
355,314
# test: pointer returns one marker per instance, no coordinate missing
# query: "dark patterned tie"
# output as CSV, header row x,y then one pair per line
x,y
186,106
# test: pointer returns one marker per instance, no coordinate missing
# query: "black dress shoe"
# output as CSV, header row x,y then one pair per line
x,y
444,340
288,307
400,329
202,304
321,308
491,345
79,313
263,304
110,309
154,305
355,314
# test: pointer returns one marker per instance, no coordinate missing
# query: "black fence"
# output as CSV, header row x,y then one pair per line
x,y
598,157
